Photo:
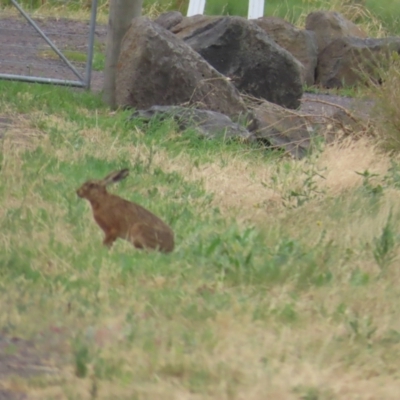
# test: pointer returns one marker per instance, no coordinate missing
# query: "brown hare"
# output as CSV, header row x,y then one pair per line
x,y
123,219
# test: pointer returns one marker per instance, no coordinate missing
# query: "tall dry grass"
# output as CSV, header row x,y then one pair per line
x,y
386,111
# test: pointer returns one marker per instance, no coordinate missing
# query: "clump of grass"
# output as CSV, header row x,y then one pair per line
x,y
78,56
355,11
386,97
384,246
153,9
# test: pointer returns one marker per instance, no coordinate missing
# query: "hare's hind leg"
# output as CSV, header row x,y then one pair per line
x,y
143,236
110,238
138,236
137,239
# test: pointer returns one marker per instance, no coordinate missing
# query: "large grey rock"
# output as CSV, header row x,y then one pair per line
x,y
242,51
169,19
189,25
329,26
209,124
349,60
283,128
346,113
156,68
298,131
302,44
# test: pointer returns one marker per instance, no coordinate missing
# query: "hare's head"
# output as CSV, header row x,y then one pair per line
x,y
96,188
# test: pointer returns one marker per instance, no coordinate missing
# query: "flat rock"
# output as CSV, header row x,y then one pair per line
x,y
209,124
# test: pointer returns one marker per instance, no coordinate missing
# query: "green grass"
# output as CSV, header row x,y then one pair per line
x,y
260,284
385,10
283,283
375,15
78,56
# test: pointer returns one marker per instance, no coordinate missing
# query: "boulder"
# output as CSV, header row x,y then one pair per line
x,y
169,19
190,25
242,51
302,44
283,128
156,68
329,26
349,60
342,113
208,124
297,131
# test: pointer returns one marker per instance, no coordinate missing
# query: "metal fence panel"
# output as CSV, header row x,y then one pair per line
x,y
25,48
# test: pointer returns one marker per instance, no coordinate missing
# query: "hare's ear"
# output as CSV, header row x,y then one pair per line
x,y
115,176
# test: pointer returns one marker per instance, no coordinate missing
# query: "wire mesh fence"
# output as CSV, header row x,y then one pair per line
x,y
50,50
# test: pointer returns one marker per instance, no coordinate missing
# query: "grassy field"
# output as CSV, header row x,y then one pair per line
x,y
379,17
283,284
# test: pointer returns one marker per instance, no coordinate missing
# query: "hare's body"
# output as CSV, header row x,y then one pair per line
x,y
119,218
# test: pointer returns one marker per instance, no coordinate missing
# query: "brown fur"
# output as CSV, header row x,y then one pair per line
x,y
119,218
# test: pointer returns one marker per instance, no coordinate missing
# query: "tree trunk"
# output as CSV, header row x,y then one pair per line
x,y
121,14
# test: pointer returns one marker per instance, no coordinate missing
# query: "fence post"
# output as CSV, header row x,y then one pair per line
x,y
121,14
196,7
256,8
